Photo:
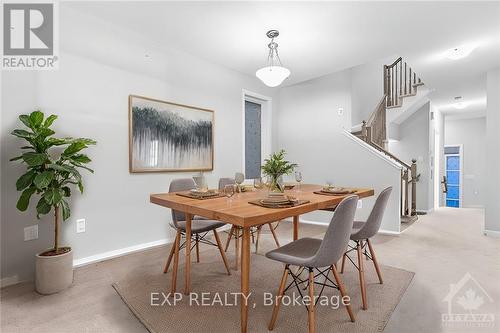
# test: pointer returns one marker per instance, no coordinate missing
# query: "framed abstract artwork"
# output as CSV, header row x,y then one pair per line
x,y
165,136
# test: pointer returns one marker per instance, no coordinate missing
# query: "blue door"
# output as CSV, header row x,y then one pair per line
x,y
453,175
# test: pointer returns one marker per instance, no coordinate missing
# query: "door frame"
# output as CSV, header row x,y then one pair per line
x,y
461,185
266,123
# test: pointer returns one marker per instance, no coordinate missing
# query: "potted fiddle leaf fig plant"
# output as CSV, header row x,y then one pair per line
x,y
275,167
52,169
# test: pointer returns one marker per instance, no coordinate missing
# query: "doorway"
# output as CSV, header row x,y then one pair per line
x,y
453,168
256,132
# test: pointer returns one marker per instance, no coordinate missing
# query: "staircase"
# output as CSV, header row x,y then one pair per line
x,y
400,82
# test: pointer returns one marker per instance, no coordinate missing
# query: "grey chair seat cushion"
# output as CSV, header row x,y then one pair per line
x,y
300,252
356,226
200,224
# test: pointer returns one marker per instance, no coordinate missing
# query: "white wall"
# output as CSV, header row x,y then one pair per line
x,y
367,86
415,143
471,133
98,71
492,216
312,133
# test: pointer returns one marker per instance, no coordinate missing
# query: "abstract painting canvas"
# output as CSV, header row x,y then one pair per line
x,y
166,136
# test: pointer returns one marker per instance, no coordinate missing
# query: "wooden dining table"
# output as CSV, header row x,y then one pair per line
x,y
239,212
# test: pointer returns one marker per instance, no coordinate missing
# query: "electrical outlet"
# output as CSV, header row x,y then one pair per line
x,y
80,226
31,232
340,111
360,204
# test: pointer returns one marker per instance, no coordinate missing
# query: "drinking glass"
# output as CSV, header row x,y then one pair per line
x,y
239,178
298,179
229,192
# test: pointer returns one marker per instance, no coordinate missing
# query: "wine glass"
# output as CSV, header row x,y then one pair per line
x,y
239,178
298,179
229,192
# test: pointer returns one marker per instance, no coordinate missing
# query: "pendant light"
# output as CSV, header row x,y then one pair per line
x,y
274,73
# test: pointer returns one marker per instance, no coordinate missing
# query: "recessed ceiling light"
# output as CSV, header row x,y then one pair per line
x,y
459,105
459,52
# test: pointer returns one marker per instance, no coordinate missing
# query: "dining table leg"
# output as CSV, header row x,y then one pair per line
x,y
245,277
295,228
187,277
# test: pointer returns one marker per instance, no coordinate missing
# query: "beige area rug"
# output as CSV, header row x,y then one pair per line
x,y
208,277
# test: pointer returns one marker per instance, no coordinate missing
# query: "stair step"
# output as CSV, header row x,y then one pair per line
x,y
418,84
408,95
408,219
394,106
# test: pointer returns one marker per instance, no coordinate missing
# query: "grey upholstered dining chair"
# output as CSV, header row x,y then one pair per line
x,y
235,230
360,235
200,227
314,255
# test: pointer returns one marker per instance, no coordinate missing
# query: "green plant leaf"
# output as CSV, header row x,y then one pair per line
x,y
24,199
86,141
74,148
27,147
42,207
81,158
22,134
25,119
34,159
79,165
16,158
55,142
36,118
59,167
45,132
25,180
66,191
80,187
42,180
66,212
50,119
53,196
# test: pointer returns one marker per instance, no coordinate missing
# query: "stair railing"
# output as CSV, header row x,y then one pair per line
x,y
399,81
409,176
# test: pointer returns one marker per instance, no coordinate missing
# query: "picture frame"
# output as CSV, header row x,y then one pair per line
x,y
169,137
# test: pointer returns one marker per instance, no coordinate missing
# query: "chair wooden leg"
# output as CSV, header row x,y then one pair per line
x,y
229,238
277,303
343,264
362,275
274,234
176,262
197,248
343,293
375,262
252,235
222,253
311,308
259,228
236,247
170,256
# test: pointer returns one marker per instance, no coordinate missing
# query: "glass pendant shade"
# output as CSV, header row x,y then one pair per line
x,y
272,76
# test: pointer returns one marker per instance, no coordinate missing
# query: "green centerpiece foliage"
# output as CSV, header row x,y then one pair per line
x,y
52,168
275,167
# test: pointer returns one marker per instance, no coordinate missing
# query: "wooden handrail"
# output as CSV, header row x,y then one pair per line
x,y
399,81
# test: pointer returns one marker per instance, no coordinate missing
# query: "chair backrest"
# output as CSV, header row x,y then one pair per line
x,y
370,228
225,181
337,235
177,185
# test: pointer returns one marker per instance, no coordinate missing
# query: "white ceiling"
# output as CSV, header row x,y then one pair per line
x,y
317,38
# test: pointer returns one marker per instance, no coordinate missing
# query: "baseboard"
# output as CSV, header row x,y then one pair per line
x,y
9,281
124,251
119,252
381,231
492,233
389,232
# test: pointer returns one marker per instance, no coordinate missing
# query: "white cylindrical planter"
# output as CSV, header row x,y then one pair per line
x,y
54,273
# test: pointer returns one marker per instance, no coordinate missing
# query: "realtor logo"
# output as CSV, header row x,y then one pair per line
x,y
468,305
29,36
